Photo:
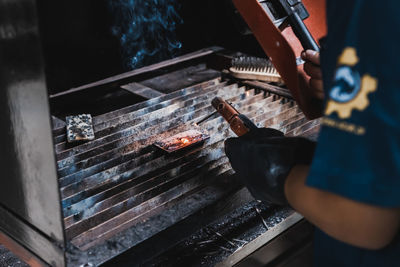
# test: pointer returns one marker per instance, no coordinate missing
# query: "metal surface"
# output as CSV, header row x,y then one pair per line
x,y
33,240
290,248
124,77
141,90
206,118
142,242
261,240
228,235
28,186
120,183
118,191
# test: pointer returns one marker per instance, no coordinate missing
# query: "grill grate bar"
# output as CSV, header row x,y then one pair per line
x,y
130,217
143,131
91,218
105,196
124,121
114,126
154,101
87,168
300,130
129,190
95,187
58,131
99,179
170,113
120,179
293,123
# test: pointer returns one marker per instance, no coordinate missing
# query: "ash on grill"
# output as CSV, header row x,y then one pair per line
x,y
213,243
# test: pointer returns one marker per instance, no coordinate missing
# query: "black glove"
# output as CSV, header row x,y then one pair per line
x,y
263,159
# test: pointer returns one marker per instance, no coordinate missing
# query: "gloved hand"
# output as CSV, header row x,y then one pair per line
x,y
263,159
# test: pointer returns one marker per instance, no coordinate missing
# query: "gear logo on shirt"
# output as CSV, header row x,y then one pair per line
x,y
350,90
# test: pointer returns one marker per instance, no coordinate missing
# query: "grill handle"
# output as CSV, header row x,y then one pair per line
x,y
239,123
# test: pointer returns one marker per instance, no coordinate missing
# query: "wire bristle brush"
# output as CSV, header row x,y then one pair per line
x,y
253,68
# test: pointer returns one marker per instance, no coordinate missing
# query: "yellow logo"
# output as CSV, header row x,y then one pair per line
x,y
350,91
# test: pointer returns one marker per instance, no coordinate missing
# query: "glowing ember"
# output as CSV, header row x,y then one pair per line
x,y
181,140
185,140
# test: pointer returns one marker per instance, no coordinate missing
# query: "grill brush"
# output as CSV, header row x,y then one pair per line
x,y
253,68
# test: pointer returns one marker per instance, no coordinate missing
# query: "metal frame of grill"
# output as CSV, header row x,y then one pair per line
x,y
118,191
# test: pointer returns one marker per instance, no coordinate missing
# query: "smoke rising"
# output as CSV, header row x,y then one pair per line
x,y
146,30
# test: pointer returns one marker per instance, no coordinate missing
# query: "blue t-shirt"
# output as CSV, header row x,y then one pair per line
x,y
358,153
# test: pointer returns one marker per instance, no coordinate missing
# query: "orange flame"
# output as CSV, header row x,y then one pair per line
x,y
185,140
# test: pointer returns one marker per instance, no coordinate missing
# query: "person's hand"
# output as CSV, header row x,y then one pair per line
x,y
263,159
312,68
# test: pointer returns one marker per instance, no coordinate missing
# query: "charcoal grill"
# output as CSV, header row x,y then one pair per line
x,y
121,181
86,204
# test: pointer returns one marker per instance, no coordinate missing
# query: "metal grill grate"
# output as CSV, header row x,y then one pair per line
x,y
119,179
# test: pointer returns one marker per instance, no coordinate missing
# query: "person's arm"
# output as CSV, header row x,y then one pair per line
x,y
349,221
359,224
355,223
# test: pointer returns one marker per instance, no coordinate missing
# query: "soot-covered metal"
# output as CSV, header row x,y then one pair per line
x,y
121,195
119,192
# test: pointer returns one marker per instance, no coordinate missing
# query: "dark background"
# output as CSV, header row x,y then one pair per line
x,y
79,47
